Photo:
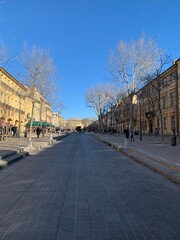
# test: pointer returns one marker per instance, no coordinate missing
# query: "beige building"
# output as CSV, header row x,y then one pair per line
x,y
41,112
73,123
16,105
159,103
12,100
155,106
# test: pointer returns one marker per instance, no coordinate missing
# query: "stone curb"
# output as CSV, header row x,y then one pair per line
x,y
145,161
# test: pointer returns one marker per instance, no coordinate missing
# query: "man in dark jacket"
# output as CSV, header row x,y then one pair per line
x,y
38,130
126,133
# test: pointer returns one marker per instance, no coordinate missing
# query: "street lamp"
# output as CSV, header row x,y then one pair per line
x,y
140,115
19,122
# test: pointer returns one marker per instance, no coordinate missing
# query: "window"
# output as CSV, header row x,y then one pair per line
x,y
164,82
172,99
165,123
158,123
172,77
164,101
145,127
172,122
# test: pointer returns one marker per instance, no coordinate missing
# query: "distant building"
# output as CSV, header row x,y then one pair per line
x,y
73,123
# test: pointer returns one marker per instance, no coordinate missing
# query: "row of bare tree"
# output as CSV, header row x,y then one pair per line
x,y
131,66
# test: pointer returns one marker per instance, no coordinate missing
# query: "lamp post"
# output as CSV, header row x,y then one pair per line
x,y
174,121
19,116
140,125
51,137
19,120
173,139
140,116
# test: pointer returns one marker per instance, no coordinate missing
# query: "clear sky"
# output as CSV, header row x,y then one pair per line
x,y
80,35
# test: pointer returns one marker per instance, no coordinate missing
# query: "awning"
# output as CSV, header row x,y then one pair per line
x,y
50,125
37,124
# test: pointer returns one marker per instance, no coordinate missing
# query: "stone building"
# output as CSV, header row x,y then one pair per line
x,y
156,106
159,103
12,101
16,104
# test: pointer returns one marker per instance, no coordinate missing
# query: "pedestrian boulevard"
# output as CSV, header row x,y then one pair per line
x,y
82,189
162,158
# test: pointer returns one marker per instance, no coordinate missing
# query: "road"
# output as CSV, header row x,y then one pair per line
x,y
81,189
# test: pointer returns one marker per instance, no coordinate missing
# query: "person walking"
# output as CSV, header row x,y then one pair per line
x,y
43,131
126,133
156,133
38,130
132,135
14,130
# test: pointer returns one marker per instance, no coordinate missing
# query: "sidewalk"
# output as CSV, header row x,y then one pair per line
x,y
15,148
162,158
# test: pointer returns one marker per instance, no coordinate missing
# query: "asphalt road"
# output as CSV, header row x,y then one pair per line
x,y
81,189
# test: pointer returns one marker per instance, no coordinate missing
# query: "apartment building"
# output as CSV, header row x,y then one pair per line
x,y
158,103
16,104
12,100
155,107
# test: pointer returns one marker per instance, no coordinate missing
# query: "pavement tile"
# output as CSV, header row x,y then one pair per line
x,y
87,192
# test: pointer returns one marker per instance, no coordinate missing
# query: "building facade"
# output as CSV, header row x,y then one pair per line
x,y
158,103
12,101
16,105
155,107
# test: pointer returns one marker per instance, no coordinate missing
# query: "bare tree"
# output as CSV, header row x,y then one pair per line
x,y
156,85
130,62
98,98
39,76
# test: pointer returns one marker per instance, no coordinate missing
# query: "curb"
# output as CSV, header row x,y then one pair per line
x,y
9,159
146,161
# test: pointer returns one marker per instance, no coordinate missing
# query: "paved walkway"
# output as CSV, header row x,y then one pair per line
x,y
21,144
80,189
162,158
150,152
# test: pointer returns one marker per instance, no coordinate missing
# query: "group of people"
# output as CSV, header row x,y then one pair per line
x,y
36,130
39,131
127,133
15,131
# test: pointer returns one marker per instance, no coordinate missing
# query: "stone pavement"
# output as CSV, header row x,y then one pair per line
x,y
15,148
162,158
81,189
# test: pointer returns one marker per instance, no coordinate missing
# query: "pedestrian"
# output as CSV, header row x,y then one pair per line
x,y
14,130
126,133
132,135
43,131
156,133
38,130
25,133
17,132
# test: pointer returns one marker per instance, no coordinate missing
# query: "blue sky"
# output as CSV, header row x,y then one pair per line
x,y
80,35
